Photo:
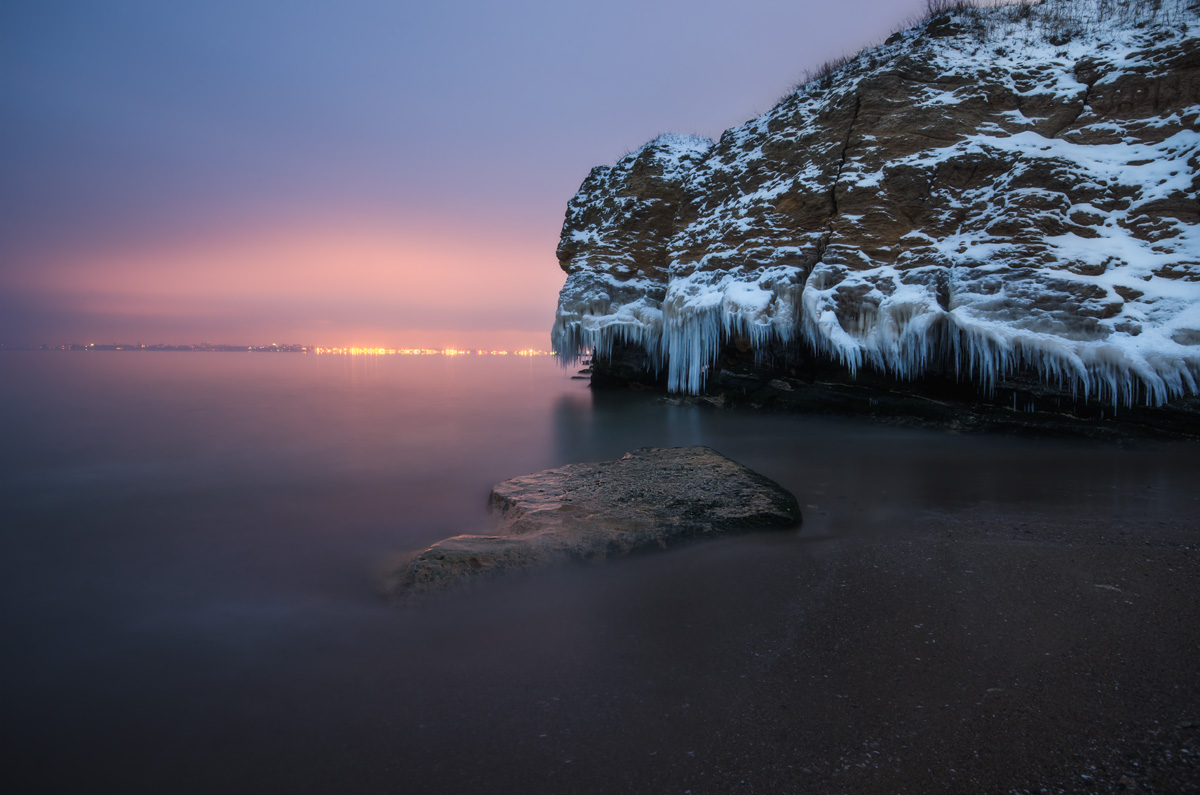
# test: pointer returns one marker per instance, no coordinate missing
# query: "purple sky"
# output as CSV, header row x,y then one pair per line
x,y
377,173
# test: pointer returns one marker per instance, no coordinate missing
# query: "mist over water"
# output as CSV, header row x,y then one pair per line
x,y
194,544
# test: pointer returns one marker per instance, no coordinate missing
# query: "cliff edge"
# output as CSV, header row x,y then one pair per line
x,y
996,191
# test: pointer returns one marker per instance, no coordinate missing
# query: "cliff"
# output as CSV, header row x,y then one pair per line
x,y
993,192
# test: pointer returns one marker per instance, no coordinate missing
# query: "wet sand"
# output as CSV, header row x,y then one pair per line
x,y
1005,653
991,648
976,651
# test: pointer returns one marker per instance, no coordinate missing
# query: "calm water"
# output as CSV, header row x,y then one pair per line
x,y
193,542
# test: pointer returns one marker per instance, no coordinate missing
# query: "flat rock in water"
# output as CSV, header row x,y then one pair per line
x,y
649,498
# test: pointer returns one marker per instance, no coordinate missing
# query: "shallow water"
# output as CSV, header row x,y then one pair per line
x,y
193,544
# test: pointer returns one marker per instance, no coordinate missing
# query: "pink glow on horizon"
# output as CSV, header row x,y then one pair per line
x,y
344,283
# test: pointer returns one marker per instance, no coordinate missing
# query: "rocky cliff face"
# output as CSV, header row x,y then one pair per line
x,y
994,191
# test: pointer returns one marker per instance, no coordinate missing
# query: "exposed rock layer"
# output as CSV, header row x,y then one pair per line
x,y
650,498
994,190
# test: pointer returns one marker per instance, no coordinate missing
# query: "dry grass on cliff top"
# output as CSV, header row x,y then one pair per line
x,y
1050,21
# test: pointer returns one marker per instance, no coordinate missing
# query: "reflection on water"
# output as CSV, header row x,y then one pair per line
x,y
193,540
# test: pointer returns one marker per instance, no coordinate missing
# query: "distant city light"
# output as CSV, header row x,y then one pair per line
x,y
354,351
275,347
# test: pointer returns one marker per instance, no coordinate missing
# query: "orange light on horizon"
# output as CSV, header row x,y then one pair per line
x,y
378,351
444,352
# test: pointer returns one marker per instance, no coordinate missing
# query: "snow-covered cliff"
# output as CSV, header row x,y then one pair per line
x,y
993,191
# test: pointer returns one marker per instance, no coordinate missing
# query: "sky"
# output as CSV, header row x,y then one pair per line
x,y
356,172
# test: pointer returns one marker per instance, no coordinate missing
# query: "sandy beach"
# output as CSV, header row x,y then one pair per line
x,y
1004,652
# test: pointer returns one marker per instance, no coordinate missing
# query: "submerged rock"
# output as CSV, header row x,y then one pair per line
x,y
997,191
650,498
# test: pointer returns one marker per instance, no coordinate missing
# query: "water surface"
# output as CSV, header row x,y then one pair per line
x,y
193,545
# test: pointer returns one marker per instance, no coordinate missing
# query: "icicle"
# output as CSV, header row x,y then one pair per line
x,y
901,331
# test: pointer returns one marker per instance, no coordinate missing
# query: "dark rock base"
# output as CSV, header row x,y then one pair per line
x,y
793,380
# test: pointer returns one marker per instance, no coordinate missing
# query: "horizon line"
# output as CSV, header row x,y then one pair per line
x,y
352,350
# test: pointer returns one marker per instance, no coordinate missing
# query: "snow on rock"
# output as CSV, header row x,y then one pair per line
x,y
994,190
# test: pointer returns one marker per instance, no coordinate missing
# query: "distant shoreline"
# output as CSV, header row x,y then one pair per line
x,y
205,347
